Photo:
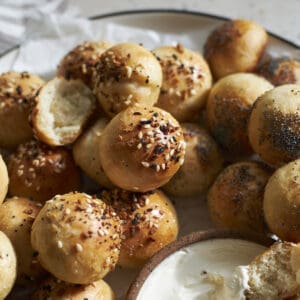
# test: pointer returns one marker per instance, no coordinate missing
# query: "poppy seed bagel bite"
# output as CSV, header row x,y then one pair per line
x,y
60,110
77,237
16,218
149,223
17,91
280,70
186,81
80,62
282,202
228,109
127,74
141,148
235,46
3,180
86,153
203,161
8,266
55,289
235,199
39,172
274,125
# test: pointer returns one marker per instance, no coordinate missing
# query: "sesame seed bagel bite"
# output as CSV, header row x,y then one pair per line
x,y
8,266
235,46
3,180
17,91
39,172
77,238
80,62
274,125
55,289
141,148
186,81
127,74
16,218
149,222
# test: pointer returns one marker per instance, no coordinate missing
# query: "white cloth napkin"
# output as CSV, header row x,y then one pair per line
x,y
20,20
47,30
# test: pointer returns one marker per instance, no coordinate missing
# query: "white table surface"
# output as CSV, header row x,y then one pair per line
x,y
278,16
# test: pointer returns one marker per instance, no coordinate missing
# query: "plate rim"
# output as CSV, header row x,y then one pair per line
x,y
122,13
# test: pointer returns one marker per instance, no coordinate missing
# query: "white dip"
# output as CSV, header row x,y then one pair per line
x,y
202,271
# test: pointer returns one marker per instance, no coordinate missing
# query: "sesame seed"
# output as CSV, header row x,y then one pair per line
x,y
68,211
145,164
172,152
79,248
128,71
181,161
139,146
157,168
163,166
167,157
147,126
140,135
149,146
59,244
193,92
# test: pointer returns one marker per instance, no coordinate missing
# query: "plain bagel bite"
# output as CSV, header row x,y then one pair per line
x,y
127,74
235,46
80,62
141,148
17,91
77,238
39,172
274,125
186,81
86,153
149,222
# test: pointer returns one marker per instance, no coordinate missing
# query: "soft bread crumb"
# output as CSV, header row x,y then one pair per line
x,y
62,107
271,275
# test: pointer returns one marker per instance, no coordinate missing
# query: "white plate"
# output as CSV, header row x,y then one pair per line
x,y
195,26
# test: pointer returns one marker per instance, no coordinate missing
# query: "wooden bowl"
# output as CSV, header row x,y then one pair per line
x,y
185,241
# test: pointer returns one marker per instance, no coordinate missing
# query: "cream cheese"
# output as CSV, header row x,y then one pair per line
x,y
210,269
